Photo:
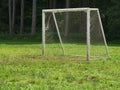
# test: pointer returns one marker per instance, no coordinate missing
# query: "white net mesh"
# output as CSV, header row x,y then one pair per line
x,y
72,27
97,41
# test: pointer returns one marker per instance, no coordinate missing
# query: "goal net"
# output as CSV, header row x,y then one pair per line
x,y
76,32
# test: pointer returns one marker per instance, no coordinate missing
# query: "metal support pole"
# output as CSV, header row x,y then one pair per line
x,y
43,33
106,46
58,32
88,34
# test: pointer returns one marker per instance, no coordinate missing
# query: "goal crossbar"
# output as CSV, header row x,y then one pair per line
x,y
68,10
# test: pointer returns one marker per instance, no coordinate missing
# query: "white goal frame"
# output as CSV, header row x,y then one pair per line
x,y
87,10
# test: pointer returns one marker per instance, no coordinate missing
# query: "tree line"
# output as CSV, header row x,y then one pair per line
x,y
24,16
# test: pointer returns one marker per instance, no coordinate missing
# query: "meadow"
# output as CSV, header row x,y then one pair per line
x,y
23,68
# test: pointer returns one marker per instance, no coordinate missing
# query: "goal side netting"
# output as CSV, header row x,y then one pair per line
x,y
76,32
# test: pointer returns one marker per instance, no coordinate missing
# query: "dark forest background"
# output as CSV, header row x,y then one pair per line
x,y
21,17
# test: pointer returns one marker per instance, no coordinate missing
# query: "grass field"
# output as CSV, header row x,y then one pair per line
x,y
23,68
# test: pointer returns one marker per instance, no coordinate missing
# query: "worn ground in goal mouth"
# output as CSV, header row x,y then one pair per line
x,y
63,58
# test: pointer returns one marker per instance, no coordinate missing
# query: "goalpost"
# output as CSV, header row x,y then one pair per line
x,y
84,30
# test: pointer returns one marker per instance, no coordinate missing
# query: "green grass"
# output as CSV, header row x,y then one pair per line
x,y
23,68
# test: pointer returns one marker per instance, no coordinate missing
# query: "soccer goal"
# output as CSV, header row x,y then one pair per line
x,y
73,32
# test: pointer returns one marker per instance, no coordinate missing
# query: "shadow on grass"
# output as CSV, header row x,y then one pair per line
x,y
28,42
19,42
116,45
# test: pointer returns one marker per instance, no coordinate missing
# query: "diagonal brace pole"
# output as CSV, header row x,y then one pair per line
x,y
106,47
57,28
